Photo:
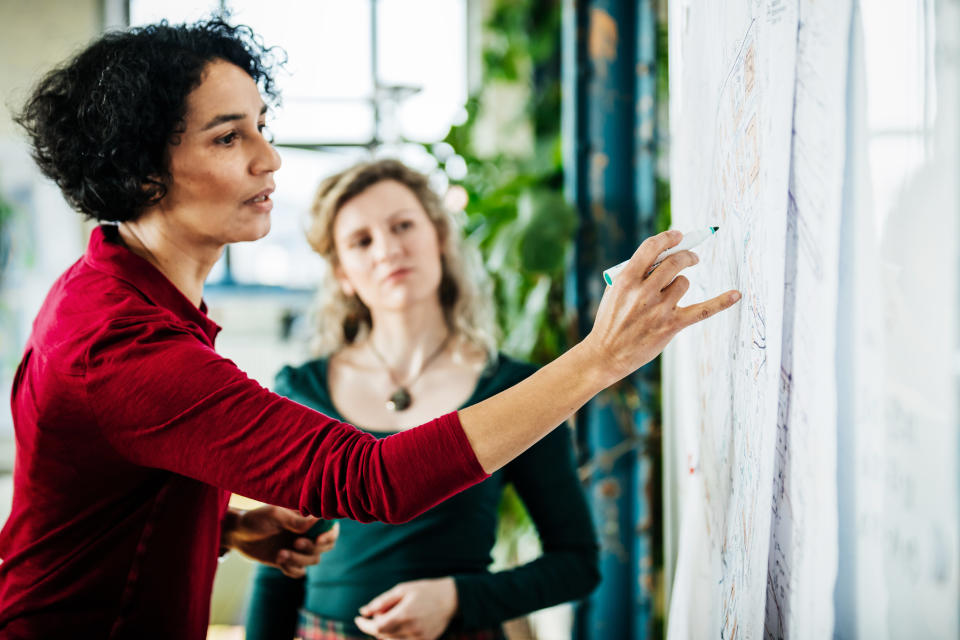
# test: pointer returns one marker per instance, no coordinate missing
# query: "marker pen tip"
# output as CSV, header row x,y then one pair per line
x,y
714,229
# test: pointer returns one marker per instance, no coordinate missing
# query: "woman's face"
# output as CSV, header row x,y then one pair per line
x,y
387,248
222,166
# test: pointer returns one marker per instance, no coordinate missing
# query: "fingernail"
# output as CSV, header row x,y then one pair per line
x,y
735,296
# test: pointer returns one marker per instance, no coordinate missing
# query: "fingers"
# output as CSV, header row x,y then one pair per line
x,y
381,626
306,552
675,290
326,540
293,521
667,270
703,310
645,255
373,628
383,602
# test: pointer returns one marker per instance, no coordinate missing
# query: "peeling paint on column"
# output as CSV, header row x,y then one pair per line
x,y
602,45
611,65
599,162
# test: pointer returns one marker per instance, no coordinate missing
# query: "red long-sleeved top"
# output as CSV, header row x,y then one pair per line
x,y
130,432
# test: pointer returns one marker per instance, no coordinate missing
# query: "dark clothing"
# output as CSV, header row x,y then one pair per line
x,y
452,539
130,431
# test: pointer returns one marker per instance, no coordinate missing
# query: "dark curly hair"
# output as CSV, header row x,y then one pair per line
x,y
101,122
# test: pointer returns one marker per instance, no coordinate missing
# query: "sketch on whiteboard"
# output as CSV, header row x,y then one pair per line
x,y
734,79
803,540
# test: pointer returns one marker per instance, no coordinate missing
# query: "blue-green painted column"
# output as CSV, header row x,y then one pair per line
x,y
609,88
647,541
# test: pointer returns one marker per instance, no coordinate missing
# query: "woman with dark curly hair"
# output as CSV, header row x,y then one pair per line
x,y
131,429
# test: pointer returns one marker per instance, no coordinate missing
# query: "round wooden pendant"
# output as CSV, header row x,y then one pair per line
x,y
399,400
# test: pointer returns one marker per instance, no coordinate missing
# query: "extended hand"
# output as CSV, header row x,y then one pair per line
x,y
271,535
639,315
420,610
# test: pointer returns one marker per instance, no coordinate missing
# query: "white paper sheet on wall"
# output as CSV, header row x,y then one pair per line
x,y
830,393
803,533
732,70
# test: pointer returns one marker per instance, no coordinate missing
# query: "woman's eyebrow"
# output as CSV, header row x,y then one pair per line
x,y
228,117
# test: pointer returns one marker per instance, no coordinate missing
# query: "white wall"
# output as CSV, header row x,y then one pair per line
x,y
46,235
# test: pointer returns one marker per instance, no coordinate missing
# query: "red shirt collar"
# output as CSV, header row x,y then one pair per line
x,y
107,254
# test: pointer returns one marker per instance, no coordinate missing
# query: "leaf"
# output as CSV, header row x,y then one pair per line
x,y
523,332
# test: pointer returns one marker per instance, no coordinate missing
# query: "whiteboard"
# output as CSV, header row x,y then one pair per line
x,y
731,88
812,430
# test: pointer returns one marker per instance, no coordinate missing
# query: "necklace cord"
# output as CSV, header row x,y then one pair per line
x,y
423,367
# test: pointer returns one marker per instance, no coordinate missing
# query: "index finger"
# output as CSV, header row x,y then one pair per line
x,y
646,254
703,310
383,602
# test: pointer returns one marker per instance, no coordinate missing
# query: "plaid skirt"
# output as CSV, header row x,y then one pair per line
x,y
312,627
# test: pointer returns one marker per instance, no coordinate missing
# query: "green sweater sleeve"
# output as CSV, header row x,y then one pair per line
x,y
546,480
274,605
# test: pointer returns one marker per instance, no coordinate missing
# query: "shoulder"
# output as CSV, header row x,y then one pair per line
x,y
88,311
295,376
306,383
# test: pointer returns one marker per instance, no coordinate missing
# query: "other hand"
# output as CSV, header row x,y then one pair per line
x,y
419,610
639,315
271,535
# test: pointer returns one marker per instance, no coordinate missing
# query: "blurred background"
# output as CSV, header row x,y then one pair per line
x,y
544,122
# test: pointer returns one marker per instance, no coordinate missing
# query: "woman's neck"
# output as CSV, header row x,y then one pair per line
x,y
404,339
184,264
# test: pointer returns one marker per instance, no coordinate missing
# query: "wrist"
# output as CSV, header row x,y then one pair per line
x,y
229,526
593,366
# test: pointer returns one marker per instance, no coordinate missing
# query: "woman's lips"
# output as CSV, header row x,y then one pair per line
x,y
397,274
261,202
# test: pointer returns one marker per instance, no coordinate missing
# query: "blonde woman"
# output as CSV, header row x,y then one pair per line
x,y
407,332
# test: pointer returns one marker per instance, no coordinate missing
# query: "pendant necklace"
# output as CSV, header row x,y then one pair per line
x,y
401,399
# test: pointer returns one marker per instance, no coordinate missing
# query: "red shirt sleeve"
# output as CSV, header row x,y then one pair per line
x,y
162,397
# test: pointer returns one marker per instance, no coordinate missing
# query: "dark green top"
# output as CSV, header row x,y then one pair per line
x,y
452,539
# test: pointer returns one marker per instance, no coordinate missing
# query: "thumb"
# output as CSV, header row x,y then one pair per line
x,y
293,521
383,602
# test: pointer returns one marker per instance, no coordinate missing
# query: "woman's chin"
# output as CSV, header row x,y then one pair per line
x,y
253,232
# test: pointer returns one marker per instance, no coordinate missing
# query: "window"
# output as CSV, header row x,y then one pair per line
x,y
365,77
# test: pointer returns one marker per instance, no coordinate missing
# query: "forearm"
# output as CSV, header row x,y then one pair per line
x,y
504,426
488,599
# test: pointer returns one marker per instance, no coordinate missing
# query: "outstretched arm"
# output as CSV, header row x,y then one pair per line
x,y
210,422
635,321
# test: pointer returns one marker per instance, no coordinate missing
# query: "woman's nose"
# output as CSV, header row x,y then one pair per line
x,y
390,246
266,158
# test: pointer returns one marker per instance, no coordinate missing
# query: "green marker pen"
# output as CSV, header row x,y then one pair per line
x,y
689,241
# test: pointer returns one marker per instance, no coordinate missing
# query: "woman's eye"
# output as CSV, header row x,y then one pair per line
x,y
227,139
404,225
362,242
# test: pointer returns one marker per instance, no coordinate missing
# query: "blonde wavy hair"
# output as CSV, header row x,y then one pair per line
x,y
464,292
